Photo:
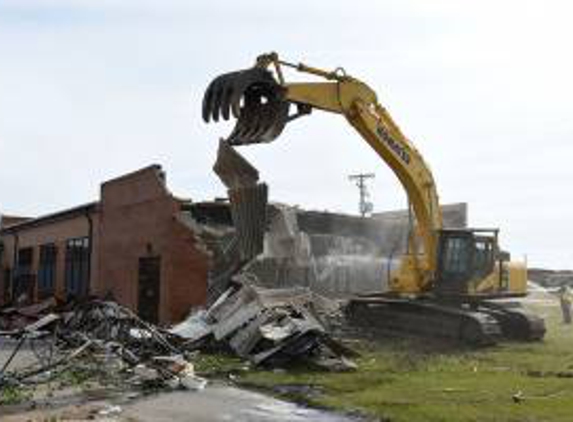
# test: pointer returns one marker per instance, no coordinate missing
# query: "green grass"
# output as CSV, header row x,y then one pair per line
x,y
10,395
408,381
217,365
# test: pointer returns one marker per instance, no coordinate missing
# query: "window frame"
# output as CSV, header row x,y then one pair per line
x,y
77,266
47,268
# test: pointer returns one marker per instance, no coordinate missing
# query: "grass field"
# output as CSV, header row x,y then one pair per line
x,y
411,381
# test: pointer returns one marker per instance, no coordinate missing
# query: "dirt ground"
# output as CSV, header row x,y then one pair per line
x,y
217,403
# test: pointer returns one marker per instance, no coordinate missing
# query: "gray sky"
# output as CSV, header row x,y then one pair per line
x,y
90,90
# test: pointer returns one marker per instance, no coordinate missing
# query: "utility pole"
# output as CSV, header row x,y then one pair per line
x,y
365,206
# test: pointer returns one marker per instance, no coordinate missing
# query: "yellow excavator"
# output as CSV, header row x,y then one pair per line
x,y
448,283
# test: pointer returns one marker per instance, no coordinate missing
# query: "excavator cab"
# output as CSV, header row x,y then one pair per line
x,y
464,257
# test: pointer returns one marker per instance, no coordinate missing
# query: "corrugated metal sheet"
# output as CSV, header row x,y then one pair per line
x,y
234,170
249,209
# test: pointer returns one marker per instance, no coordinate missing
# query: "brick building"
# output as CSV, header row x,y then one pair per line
x,y
148,250
131,245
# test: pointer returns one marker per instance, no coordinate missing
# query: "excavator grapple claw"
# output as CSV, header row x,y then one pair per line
x,y
254,98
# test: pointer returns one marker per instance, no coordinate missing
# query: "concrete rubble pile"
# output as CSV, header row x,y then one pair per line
x,y
269,327
104,339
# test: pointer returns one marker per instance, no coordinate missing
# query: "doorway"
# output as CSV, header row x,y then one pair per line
x,y
149,288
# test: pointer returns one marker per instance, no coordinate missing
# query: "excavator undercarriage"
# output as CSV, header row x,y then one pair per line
x,y
449,281
476,324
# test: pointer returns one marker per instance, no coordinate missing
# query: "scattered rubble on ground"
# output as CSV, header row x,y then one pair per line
x,y
103,340
109,344
270,327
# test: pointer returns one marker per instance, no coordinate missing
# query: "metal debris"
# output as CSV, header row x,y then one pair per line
x,y
233,169
105,338
248,200
249,209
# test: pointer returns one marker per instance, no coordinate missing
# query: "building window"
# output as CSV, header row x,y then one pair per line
x,y
47,269
77,267
23,287
25,260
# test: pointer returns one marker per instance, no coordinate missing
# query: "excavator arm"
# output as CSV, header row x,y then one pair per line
x,y
261,102
358,103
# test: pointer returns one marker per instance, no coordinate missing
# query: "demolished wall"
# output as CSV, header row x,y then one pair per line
x,y
139,221
334,254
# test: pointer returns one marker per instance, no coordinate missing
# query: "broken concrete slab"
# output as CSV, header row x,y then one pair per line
x,y
193,328
236,320
269,326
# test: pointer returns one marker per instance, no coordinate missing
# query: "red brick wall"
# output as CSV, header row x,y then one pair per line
x,y
138,218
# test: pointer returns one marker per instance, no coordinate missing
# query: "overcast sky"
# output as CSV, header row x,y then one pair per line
x,y
90,90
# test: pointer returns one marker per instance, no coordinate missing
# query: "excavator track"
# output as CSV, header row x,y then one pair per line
x,y
516,323
479,325
425,318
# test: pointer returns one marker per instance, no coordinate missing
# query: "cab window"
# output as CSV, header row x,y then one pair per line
x,y
456,256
